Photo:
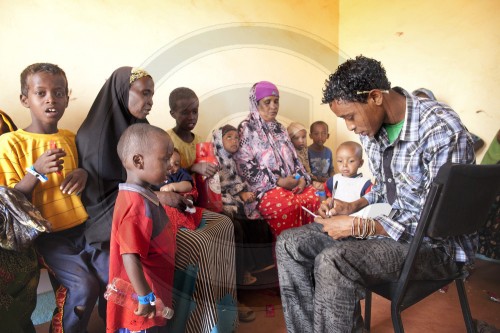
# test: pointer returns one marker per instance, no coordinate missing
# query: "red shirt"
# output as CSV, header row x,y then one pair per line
x,y
141,226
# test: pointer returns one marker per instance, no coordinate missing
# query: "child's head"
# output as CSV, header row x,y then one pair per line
x,y
145,152
298,134
230,138
349,158
44,90
175,161
319,132
184,108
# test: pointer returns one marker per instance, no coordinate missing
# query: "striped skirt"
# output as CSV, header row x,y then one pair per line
x,y
205,262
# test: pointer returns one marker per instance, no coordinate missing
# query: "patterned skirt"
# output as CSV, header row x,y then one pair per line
x,y
282,208
205,283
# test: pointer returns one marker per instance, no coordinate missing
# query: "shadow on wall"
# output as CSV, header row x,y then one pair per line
x,y
297,105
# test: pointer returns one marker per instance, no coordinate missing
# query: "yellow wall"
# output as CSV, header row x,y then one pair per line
x,y
450,46
219,48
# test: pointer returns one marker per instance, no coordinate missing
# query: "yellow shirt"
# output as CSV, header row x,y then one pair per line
x,y
19,150
186,150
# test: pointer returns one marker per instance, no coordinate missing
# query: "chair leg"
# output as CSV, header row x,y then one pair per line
x,y
462,295
396,318
368,309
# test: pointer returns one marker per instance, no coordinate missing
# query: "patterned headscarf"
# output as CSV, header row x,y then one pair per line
x,y
137,73
231,183
295,128
271,149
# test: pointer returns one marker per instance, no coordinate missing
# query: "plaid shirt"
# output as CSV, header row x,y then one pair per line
x,y
432,135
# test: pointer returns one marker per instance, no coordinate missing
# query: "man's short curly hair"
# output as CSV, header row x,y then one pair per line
x,y
359,74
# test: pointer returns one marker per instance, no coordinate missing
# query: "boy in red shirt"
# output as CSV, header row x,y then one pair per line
x,y
142,248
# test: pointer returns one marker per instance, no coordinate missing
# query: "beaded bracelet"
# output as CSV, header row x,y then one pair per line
x,y
363,228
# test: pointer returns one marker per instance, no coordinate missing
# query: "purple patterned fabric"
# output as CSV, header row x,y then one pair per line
x,y
266,152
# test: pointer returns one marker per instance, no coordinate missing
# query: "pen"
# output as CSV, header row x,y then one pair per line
x,y
307,210
332,203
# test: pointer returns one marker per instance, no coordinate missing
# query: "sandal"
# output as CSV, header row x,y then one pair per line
x,y
264,269
245,314
248,279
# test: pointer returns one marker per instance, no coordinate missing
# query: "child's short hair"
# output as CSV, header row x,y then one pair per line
x,y
319,122
294,128
358,149
136,138
37,68
178,94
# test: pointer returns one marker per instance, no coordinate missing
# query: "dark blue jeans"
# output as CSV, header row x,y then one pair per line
x,y
79,275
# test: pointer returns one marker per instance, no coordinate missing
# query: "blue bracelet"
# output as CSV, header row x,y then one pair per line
x,y
147,299
40,176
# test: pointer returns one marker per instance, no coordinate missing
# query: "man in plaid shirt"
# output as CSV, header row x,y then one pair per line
x,y
407,140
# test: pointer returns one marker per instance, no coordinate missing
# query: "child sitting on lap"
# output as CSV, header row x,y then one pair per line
x,y
179,180
349,185
142,247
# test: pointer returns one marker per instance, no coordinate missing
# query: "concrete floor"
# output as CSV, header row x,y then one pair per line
x,y
440,312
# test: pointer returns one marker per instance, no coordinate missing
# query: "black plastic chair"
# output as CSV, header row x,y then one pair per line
x,y
458,204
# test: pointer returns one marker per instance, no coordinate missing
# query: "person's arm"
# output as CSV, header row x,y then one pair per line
x,y
332,207
174,200
342,226
133,267
48,162
204,168
74,182
179,187
247,196
457,148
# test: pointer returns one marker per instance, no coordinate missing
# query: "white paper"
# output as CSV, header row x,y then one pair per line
x,y
374,210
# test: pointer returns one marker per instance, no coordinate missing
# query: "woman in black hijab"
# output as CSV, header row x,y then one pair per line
x,y
125,99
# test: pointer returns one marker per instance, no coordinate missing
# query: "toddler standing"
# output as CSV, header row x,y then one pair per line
x,y
142,246
298,135
320,157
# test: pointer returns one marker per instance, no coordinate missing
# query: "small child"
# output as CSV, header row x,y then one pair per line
x,y
41,161
348,185
235,192
179,180
298,134
320,157
142,247
240,205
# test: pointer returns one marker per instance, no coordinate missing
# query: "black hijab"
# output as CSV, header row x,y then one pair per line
x,y
96,141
